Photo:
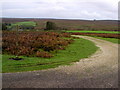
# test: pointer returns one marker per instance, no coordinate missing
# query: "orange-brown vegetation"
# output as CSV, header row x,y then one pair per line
x,y
39,44
106,35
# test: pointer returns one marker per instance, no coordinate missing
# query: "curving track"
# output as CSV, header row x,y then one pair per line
x,y
98,71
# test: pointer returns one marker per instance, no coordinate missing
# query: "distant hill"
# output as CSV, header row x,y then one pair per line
x,y
105,25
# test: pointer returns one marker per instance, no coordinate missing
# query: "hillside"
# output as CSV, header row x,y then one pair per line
x,y
105,25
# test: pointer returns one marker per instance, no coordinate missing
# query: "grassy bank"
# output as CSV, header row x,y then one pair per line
x,y
81,48
113,40
113,32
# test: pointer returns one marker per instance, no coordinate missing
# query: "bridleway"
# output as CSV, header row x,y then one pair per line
x,y
98,71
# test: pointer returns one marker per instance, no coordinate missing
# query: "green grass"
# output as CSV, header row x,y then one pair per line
x,y
113,40
113,32
28,23
81,48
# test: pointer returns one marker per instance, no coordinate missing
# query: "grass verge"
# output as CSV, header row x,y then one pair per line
x,y
81,48
112,32
113,40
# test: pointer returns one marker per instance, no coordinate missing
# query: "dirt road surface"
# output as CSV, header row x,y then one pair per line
x,y
98,71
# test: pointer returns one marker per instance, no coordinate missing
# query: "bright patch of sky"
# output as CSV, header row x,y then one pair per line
x,y
61,9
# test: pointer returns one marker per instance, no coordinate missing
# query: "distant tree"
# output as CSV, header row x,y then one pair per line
x,y
4,26
50,26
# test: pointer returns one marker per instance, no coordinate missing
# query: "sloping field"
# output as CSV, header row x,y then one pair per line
x,y
104,25
81,24
29,23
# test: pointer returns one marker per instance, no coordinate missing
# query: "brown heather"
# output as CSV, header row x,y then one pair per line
x,y
39,44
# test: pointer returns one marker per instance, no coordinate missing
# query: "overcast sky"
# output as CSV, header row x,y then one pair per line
x,y
61,9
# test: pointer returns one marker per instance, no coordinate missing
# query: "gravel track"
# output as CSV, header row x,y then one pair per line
x,y
98,71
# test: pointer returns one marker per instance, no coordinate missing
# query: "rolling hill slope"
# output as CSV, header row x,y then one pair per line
x,y
105,25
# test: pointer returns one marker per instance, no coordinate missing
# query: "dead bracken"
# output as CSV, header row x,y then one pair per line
x,y
36,44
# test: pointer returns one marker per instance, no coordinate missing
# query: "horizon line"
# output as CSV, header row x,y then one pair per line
x,y
56,18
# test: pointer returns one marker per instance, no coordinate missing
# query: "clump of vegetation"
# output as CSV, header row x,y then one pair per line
x,y
4,26
50,26
40,44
